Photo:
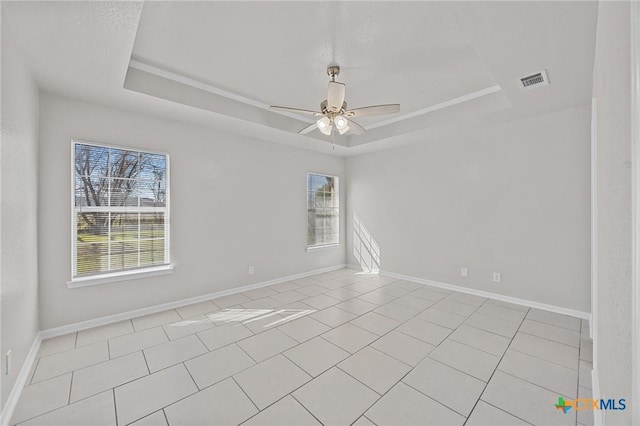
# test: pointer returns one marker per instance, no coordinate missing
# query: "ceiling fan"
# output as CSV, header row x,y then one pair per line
x,y
333,110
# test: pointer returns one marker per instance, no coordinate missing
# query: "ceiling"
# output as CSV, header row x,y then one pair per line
x,y
450,65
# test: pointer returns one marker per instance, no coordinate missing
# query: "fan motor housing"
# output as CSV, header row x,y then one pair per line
x,y
324,107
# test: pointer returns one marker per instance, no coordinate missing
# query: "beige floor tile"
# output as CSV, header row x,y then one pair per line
x,y
376,323
65,362
267,344
508,305
58,344
96,411
179,329
155,320
316,356
404,406
259,293
455,307
40,398
343,294
403,347
335,398
481,339
264,303
501,312
223,335
526,401
154,419
303,329
231,300
555,377
363,421
430,293
546,349
414,302
97,334
469,299
375,369
333,317
174,352
286,412
397,312
443,318
106,375
449,386
472,361
148,394
356,306
552,318
289,297
220,404
320,301
312,290
216,366
425,331
270,380
377,298
506,328
551,332
284,287
488,415
200,308
349,337
129,343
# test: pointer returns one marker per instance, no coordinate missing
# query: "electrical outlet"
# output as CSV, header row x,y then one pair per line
x,y
251,270
7,365
497,277
464,272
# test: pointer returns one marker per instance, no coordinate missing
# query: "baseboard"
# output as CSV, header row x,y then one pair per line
x,y
21,380
84,325
490,295
598,415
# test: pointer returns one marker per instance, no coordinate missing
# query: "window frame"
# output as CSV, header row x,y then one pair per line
x,y
324,246
127,274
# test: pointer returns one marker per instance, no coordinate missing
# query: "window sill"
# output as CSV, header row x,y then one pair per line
x,y
120,276
322,247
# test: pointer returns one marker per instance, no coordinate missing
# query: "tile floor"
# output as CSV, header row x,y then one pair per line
x,y
339,348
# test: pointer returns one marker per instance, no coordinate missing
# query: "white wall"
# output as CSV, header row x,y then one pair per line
x,y
18,211
612,90
512,198
235,202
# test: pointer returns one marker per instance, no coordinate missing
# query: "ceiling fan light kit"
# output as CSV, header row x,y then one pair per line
x,y
333,110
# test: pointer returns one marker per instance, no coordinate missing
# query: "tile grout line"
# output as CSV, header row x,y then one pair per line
x,y
496,369
248,397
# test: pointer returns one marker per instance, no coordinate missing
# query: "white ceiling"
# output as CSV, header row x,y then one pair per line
x,y
449,64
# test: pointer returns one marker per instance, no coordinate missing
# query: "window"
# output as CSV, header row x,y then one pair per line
x,y
322,210
121,210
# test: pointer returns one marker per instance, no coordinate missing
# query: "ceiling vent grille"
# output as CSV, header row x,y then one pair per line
x,y
534,80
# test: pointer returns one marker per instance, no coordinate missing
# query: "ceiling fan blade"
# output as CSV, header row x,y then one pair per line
x,y
294,110
308,129
335,96
373,110
356,129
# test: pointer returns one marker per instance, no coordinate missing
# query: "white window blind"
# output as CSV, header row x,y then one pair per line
x,y
323,212
121,210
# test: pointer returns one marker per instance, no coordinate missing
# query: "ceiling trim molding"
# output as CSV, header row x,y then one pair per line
x,y
160,72
441,105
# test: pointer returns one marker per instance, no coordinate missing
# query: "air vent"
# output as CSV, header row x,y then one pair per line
x,y
534,80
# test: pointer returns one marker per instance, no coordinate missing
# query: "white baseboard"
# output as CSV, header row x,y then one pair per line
x,y
21,380
490,295
84,325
